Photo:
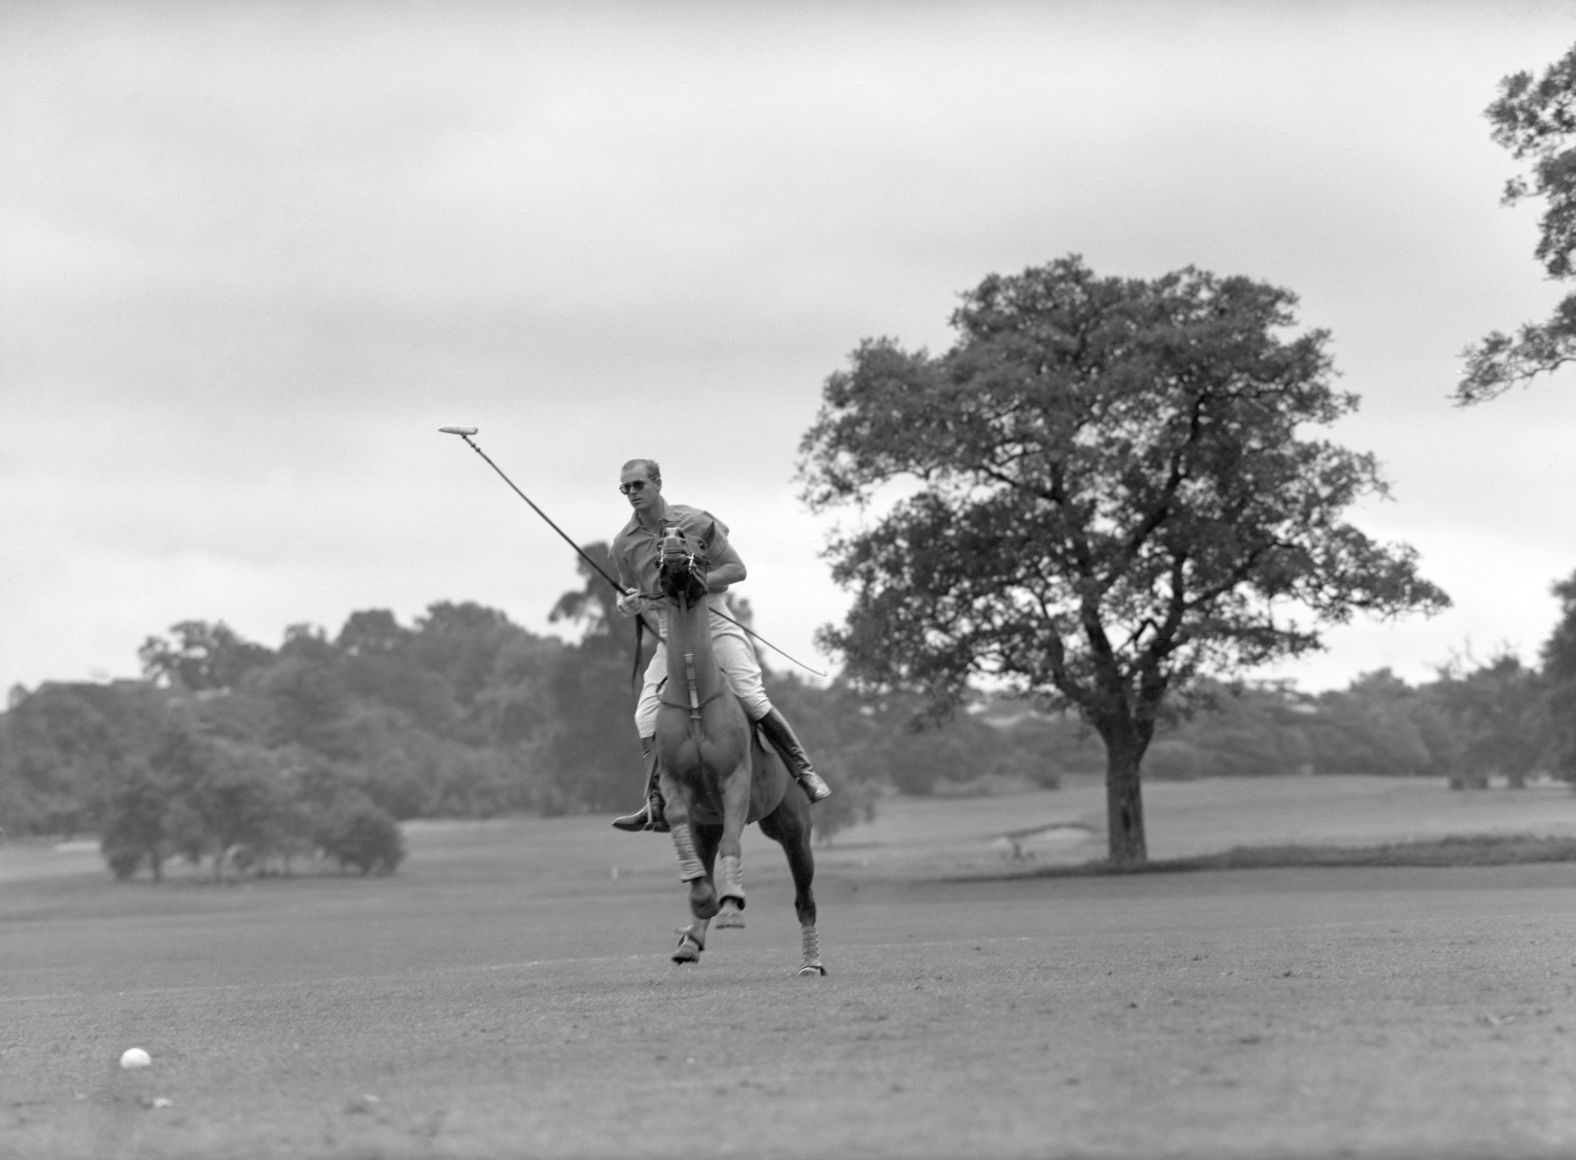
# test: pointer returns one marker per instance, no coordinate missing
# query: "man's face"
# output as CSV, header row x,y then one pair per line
x,y
642,493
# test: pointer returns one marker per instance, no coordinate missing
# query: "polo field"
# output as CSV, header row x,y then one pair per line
x,y
509,993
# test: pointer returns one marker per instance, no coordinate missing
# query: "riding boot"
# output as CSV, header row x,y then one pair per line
x,y
651,816
781,735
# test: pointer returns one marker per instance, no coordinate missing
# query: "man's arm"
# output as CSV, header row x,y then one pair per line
x,y
726,567
630,602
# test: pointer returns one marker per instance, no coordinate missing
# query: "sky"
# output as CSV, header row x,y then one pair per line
x,y
254,255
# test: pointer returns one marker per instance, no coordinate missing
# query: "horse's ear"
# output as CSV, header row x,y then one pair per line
x,y
709,534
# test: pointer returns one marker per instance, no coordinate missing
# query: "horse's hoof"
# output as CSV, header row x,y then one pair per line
x,y
687,952
812,971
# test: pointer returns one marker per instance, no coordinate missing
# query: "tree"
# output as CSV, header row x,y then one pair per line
x,y
1559,677
1494,716
359,834
135,825
591,754
200,656
1108,493
1536,120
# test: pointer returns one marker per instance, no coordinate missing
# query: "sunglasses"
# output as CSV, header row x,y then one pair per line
x,y
632,485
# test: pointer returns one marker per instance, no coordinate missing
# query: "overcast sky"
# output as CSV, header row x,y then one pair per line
x,y
253,255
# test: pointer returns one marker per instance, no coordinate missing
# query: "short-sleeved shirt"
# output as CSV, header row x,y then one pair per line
x,y
636,550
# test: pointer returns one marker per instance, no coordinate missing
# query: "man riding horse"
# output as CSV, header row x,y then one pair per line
x,y
635,553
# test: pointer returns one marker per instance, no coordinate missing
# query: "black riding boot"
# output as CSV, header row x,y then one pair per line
x,y
781,735
651,815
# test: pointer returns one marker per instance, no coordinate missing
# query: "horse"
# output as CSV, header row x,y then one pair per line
x,y
716,774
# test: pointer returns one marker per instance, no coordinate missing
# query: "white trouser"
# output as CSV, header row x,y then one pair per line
x,y
734,653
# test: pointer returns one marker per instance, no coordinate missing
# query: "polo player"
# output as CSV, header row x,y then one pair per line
x,y
635,554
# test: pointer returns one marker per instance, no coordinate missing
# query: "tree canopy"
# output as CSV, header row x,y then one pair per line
x,y
1534,118
1108,489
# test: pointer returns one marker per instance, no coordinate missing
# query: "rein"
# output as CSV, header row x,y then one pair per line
x,y
640,627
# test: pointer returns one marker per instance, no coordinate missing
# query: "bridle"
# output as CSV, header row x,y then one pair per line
x,y
681,568
681,574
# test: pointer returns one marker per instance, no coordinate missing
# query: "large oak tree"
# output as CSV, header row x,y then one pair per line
x,y
1108,487
1534,118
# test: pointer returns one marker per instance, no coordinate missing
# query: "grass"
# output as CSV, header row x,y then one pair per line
x,y
1451,850
508,992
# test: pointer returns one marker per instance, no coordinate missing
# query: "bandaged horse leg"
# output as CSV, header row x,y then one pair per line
x,y
730,885
703,898
810,964
730,870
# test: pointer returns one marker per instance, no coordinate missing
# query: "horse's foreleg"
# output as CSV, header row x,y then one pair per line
x,y
730,887
810,961
730,849
692,940
703,898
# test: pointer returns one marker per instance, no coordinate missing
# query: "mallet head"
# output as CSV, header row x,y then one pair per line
x,y
458,430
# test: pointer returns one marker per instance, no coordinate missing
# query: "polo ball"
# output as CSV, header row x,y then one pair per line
x,y
135,1057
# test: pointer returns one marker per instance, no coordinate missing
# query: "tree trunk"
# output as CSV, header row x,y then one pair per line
x,y
1124,802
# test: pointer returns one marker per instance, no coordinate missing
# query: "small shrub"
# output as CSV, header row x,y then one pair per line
x,y
363,836
123,861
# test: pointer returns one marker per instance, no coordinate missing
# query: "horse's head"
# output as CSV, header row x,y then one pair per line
x,y
682,564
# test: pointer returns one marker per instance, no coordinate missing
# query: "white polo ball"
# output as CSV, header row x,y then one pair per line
x,y
135,1057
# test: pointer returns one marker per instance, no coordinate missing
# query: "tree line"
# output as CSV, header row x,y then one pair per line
x,y
232,754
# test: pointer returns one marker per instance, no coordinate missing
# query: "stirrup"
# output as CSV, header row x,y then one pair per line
x,y
635,822
650,816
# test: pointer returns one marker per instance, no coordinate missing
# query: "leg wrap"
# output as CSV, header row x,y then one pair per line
x,y
731,884
689,862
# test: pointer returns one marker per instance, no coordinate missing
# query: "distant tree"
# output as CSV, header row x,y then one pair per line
x,y
309,703
852,803
1494,713
220,797
1559,684
136,826
1534,118
372,632
200,656
358,835
1107,487
379,662
65,746
1374,727
1251,730
590,753
461,640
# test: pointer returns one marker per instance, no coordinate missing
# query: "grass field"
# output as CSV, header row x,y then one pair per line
x,y
508,993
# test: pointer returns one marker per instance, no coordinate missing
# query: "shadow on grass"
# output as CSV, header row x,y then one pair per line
x,y
1476,850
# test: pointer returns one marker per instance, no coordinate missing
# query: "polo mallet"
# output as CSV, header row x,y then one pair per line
x,y
465,433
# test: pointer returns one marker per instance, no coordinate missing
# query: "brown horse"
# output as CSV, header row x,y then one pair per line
x,y
716,775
